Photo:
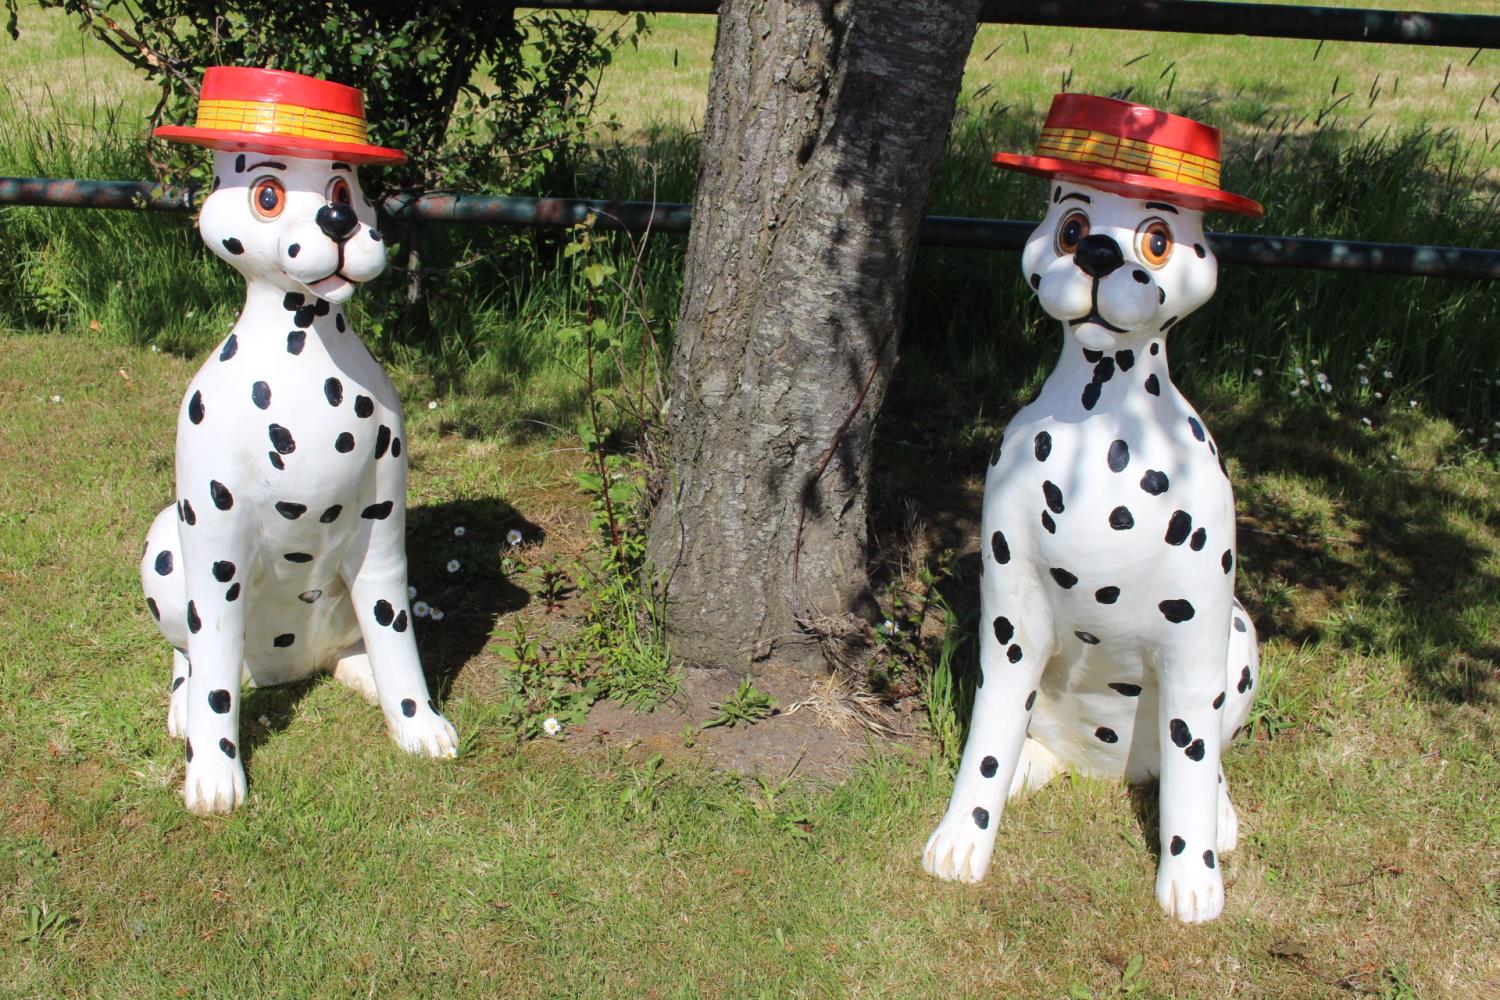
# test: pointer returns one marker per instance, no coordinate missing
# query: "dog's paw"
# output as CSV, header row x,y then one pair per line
x,y
425,732
1229,822
177,713
1189,890
215,783
959,849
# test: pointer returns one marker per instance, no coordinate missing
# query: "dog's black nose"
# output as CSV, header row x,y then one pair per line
x,y
337,221
1096,256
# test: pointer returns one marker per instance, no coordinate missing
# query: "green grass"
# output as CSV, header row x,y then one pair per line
x,y
1368,852
1370,558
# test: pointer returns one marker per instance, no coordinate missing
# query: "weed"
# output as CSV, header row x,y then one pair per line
x,y
1131,984
639,797
41,923
544,680
552,584
747,704
789,817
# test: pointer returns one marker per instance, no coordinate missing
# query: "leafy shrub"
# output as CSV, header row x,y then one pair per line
x,y
476,95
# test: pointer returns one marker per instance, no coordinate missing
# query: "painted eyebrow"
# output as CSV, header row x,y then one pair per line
x,y
267,163
341,166
1162,206
1081,197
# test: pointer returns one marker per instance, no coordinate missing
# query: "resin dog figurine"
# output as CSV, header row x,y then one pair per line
x,y
1111,640
284,553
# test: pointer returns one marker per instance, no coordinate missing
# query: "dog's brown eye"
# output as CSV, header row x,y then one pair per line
x,y
267,198
1154,242
1071,231
338,192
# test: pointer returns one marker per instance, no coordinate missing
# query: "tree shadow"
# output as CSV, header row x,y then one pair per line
x,y
471,599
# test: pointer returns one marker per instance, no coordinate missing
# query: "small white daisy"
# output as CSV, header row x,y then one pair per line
x,y
1257,372
459,531
420,609
1388,373
436,615
454,566
1367,421
155,349
1380,395
265,722
1412,403
551,726
513,537
432,405
57,399
411,592
1296,392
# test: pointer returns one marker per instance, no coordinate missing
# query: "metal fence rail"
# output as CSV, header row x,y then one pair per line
x,y
1333,24
1205,16
667,217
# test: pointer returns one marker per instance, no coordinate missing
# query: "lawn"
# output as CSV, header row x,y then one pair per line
x,y
1370,558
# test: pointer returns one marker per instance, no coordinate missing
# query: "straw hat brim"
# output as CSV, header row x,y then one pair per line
x,y
1132,185
280,145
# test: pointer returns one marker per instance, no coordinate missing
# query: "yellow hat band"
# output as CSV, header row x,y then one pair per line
x,y
268,118
1135,156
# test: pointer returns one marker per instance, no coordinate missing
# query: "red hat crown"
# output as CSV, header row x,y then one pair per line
x,y
1131,149
273,111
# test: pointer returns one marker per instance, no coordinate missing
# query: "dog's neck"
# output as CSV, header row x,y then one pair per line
x,y
1127,375
269,308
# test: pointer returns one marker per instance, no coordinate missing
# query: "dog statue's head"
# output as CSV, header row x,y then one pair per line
x,y
300,224
1117,269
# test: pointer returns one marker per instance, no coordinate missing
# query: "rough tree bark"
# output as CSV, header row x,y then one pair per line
x,y
824,127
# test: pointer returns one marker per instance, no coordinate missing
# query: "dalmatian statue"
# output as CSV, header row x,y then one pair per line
x,y
284,553
1111,642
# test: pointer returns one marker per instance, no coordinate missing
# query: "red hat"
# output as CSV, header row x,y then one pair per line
x,y
1133,150
273,111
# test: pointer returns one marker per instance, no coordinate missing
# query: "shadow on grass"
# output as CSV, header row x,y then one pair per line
x,y
471,599
1399,568
1337,544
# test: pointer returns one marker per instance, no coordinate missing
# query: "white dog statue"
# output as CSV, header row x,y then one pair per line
x,y
1111,640
284,553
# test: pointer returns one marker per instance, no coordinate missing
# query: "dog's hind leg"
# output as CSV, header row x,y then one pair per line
x,y
352,669
1037,766
163,579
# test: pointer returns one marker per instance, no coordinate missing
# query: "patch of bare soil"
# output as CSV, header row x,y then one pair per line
x,y
821,729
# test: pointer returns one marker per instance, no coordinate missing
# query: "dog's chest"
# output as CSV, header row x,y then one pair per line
x,y
1115,496
296,437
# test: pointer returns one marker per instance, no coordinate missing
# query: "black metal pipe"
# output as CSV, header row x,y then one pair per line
x,y
139,195
954,232
1334,24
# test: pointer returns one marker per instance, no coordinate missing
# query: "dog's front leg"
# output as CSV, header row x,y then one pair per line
x,y
1015,642
216,556
378,585
1189,882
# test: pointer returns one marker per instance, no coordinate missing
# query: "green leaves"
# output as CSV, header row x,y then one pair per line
x,y
748,704
536,74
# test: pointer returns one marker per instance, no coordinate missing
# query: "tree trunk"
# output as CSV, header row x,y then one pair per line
x,y
825,124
